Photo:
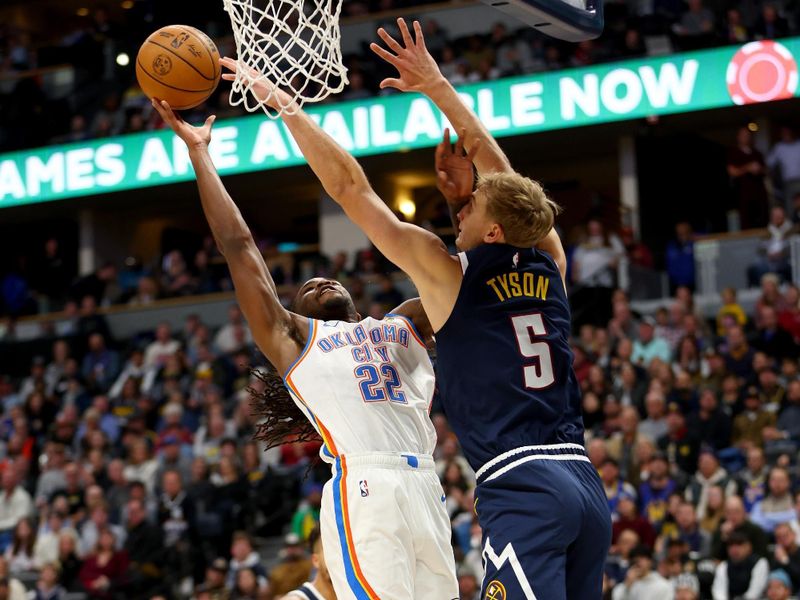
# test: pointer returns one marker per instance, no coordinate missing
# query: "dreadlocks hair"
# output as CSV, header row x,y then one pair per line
x,y
280,421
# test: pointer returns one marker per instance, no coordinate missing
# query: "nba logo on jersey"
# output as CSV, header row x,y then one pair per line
x,y
362,485
515,260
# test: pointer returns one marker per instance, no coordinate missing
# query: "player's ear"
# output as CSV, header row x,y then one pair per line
x,y
494,235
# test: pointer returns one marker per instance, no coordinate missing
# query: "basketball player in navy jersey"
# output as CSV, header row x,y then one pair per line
x,y
502,320
502,324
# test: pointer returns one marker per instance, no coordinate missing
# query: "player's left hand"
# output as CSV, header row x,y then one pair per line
x,y
193,137
455,173
265,90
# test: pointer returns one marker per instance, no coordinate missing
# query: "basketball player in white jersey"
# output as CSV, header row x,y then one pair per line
x,y
366,385
321,587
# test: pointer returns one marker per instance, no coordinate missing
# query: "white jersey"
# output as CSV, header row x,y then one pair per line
x,y
366,387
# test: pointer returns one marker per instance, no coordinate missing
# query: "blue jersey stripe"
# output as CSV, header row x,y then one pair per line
x,y
355,585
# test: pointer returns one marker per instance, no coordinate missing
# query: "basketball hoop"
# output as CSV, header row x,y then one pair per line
x,y
292,44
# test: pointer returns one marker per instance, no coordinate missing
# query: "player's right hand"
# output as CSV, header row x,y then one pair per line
x,y
193,137
418,71
455,174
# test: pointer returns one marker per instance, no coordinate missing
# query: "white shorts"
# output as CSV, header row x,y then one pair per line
x,y
385,531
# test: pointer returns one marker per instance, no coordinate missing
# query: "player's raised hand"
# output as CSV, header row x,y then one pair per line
x,y
418,71
194,137
455,174
265,90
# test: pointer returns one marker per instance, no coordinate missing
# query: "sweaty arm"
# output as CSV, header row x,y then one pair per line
x,y
278,333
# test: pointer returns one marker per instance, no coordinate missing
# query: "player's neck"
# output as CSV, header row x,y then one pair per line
x,y
324,587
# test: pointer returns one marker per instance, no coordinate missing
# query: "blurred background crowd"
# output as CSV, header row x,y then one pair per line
x,y
127,462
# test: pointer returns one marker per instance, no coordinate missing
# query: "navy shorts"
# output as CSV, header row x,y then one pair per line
x,y
546,525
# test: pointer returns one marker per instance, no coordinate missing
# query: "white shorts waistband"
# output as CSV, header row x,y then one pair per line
x,y
387,460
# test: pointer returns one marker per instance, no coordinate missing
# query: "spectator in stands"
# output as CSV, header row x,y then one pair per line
x,y
778,505
709,475
52,276
648,346
293,569
176,280
695,26
654,493
176,517
101,365
655,425
163,346
104,571
234,333
748,427
70,562
306,518
774,250
98,521
47,587
734,31
730,308
770,24
594,264
20,553
784,157
747,169
738,355
736,521
615,487
641,581
147,292
680,257
744,574
101,286
141,465
772,340
214,583
709,422
144,548
243,556
779,586
786,555
789,315
15,504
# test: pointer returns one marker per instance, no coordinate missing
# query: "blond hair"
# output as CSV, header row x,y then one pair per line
x,y
520,206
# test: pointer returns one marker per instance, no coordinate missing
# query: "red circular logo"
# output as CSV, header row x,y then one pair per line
x,y
761,72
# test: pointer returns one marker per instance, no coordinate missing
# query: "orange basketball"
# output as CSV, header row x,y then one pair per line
x,y
179,64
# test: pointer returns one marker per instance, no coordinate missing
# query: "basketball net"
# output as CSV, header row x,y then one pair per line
x,y
292,44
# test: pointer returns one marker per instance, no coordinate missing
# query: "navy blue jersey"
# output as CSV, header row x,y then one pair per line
x,y
504,364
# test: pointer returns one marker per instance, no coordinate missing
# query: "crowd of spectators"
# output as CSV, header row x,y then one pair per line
x,y
128,467
105,100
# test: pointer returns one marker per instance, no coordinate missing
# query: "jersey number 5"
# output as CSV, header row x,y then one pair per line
x,y
527,329
376,386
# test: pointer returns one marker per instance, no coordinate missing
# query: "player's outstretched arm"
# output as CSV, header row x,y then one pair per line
x,y
418,252
418,72
275,330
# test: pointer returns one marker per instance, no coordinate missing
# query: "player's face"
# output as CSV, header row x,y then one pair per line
x,y
474,222
325,299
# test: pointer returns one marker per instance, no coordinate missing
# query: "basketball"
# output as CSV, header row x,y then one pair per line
x,y
179,64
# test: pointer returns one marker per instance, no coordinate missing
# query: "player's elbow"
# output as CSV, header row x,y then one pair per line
x,y
235,240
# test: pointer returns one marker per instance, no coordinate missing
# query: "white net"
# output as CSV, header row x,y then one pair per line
x,y
292,44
